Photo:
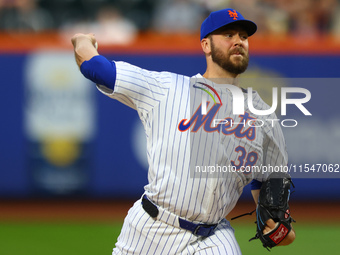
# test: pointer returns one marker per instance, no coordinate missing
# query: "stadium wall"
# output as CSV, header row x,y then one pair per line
x,y
61,137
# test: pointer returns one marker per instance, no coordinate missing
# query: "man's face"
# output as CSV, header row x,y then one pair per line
x,y
229,49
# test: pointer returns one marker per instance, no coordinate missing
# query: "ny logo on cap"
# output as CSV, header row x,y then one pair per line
x,y
233,15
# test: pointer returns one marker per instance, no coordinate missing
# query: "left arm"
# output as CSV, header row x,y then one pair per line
x,y
274,154
255,193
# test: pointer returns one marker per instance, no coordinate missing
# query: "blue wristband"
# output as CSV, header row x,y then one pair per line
x,y
255,184
100,70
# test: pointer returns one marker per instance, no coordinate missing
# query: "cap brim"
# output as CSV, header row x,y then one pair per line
x,y
248,25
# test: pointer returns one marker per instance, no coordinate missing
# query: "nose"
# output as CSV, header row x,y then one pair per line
x,y
238,40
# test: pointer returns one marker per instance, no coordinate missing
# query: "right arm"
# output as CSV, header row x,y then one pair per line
x,y
84,48
92,65
136,87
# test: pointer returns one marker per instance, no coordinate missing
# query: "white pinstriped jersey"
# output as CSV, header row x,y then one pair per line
x,y
162,100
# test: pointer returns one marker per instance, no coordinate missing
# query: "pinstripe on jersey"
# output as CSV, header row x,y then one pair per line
x,y
162,100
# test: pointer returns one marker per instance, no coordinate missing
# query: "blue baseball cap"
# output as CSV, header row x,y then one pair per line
x,y
225,17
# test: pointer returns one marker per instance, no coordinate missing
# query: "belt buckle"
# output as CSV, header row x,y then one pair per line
x,y
209,229
196,229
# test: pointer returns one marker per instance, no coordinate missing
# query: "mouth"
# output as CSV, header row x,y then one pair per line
x,y
237,52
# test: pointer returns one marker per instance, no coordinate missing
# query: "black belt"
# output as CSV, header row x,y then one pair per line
x,y
197,229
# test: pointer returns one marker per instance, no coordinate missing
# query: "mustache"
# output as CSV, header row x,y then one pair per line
x,y
239,50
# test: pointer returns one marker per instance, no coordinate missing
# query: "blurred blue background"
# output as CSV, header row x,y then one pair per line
x,y
102,154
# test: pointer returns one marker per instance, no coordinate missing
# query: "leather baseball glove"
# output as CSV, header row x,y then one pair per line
x,y
273,204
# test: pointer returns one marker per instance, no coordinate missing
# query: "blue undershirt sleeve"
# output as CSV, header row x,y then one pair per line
x,y
255,184
100,70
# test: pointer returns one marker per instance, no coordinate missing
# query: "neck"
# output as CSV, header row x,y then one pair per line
x,y
221,76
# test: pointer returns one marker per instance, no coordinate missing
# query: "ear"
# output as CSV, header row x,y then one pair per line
x,y
206,45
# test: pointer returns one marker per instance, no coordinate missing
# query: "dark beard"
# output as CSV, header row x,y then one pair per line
x,y
224,61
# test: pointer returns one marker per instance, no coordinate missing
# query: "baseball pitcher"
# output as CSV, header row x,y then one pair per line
x,y
183,209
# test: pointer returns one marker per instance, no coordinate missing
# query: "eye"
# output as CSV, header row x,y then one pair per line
x,y
244,36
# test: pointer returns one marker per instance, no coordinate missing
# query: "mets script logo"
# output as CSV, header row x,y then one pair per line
x,y
202,118
233,15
